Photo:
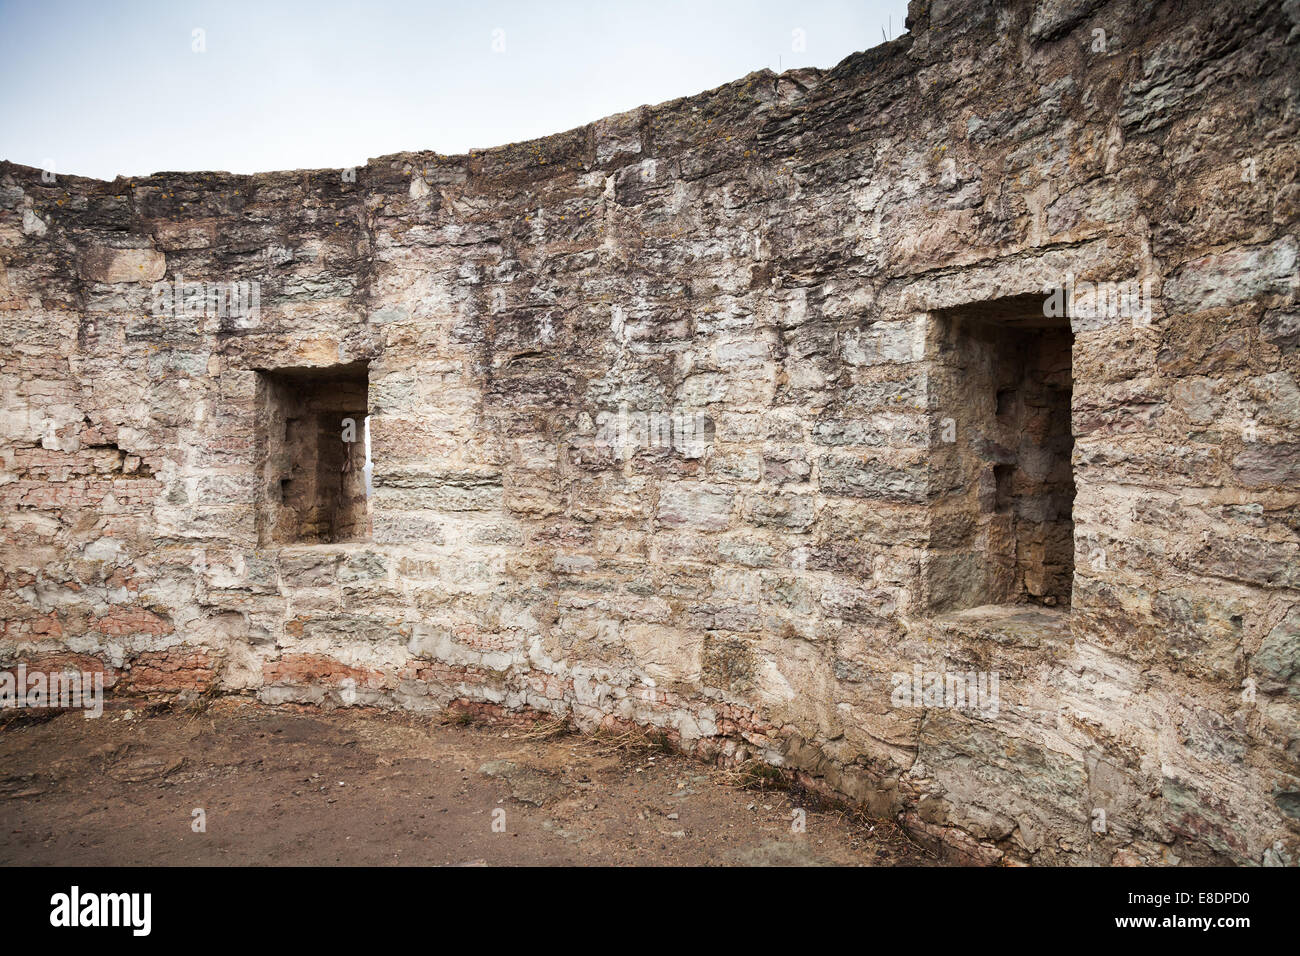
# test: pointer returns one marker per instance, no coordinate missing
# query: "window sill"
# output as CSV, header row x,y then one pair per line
x,y
1011,625
319,547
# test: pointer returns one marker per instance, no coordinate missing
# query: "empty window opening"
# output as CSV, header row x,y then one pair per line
x,y
1002,530
314,451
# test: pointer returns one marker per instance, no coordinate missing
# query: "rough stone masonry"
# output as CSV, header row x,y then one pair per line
x,y
927,426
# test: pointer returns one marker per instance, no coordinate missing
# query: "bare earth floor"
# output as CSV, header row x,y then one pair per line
x,y
347,787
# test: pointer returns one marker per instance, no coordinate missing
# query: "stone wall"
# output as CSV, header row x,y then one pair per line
x,y
776,262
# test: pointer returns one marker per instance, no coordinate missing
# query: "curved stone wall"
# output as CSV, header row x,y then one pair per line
x,y
690,418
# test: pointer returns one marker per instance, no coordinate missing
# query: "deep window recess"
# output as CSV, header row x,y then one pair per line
x,y
314,455
1001,523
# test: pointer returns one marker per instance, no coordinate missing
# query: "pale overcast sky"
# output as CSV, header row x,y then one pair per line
x,y
101,88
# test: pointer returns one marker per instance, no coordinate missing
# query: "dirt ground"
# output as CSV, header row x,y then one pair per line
x,y
279,787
